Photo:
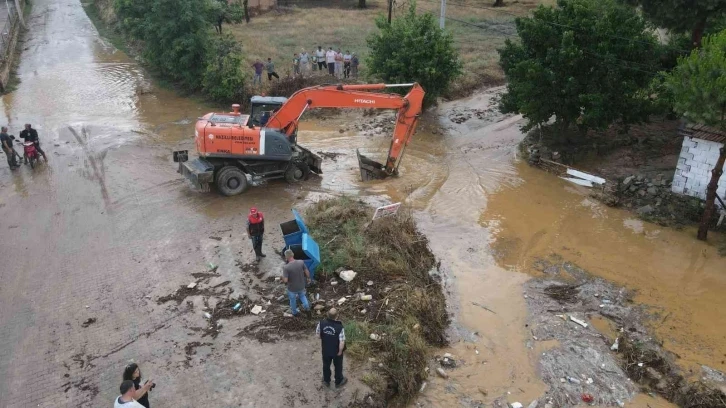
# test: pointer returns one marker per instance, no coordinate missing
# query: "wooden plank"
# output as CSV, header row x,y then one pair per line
x,y
585,176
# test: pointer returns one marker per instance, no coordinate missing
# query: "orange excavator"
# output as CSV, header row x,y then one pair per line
x,y
237,150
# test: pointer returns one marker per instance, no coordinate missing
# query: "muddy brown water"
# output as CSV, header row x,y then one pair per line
x,y
108,224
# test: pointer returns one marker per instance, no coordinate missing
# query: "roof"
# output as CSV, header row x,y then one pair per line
x,y
268,99
703,132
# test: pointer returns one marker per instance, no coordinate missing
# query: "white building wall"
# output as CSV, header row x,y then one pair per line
x,y
693,171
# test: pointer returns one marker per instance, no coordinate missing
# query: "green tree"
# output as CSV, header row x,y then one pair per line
x,y
698,86
132,16
414,48
223,78
585,62
691,16
222,11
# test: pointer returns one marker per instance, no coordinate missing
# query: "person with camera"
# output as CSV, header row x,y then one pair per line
x,y
132,373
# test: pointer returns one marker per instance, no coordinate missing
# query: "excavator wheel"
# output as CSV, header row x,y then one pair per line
x,y
231,181
297,171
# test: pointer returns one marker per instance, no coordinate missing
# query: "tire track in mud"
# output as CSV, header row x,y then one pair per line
x,y
98,170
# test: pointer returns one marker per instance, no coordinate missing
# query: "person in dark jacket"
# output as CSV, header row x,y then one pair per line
x,y
31,135
255,231
332,339
132,372
7,146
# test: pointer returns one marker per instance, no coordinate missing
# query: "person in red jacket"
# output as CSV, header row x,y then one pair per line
x,y
255,231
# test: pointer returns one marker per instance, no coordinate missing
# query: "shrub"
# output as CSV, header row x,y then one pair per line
x,y
414,49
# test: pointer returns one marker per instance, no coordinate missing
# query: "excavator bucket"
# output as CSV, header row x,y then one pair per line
x,y
370,169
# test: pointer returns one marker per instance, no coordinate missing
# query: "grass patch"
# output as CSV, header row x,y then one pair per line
x,y
99,12
408,310
280,34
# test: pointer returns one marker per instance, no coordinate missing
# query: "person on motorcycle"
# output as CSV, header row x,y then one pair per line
x,y
7,146
31,135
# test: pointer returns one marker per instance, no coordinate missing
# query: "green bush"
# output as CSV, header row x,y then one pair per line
x,y
414,49
178,44
224,79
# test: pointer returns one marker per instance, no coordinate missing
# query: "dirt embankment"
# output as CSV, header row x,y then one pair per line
x,y
601,350
639,166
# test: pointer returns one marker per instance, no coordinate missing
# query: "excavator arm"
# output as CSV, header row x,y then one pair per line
x,y
358,96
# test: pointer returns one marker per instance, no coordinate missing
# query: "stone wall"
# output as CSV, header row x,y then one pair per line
x,y
10,33
693,171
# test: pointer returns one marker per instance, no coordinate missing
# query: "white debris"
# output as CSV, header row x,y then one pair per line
x,y
207,315
589,381
375,337
578,321
423,387
516,405
440,371
366,297
192,285
347,275
448,355
533,404
256,310
333,283
364,311
640,364
615,345
342,300
287,314
370,283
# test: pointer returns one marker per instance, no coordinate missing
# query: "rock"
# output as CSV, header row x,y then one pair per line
x,y
652,190
416,326
641,193
628,180
192,285
448,362
483,392
440,371
347,275
370,283
646,209
633,188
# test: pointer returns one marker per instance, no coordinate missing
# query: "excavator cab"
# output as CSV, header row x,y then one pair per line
x,y
263,107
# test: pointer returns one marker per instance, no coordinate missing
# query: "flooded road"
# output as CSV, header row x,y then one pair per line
x,y
108,225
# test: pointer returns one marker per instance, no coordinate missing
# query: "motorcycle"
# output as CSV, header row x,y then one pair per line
x,y
31,153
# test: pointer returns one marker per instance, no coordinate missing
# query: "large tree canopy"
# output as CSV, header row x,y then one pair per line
x,y
685,16
583,61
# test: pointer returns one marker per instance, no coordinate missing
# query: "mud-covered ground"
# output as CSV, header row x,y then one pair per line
x,y
101,243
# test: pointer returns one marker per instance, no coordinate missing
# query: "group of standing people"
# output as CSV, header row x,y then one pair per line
x,y
336,63
6,141
134,390
296,276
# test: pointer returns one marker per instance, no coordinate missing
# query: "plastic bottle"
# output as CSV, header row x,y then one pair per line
x,y
573,380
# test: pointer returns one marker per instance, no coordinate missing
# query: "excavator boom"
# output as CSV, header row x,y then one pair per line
x,y
358,96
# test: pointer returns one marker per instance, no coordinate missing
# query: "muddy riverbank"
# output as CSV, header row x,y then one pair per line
x,y
112,228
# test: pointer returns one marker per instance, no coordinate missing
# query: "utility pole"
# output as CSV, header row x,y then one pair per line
x,y
390,11
442,17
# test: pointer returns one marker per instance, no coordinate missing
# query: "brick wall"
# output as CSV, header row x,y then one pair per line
x,y
693,171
